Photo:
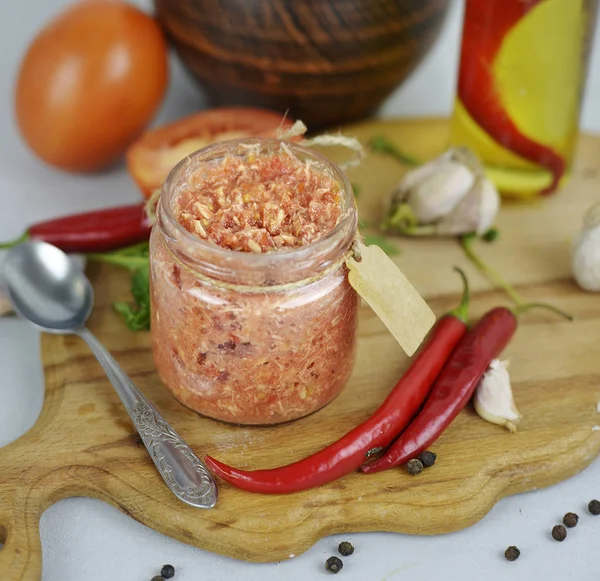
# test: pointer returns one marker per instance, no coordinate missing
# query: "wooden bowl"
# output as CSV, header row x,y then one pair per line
x,y
328,61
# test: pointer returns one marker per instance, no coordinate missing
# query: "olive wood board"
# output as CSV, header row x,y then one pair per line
x,y
84,444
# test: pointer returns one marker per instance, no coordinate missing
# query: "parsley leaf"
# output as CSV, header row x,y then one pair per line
x,y
136,320
135,259
140,285
137,316
383,243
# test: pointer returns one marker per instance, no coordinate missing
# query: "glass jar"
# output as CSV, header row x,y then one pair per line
x,y
244,337
522,74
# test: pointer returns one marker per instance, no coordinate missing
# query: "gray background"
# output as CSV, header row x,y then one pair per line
x,y
86,540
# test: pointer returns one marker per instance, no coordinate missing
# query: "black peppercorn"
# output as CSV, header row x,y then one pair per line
x,y
414,466
345,548
168,571
559,533
594,507
333,565
427,458
570,520
512,553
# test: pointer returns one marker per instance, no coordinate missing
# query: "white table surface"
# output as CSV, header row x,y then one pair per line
x,y
87,540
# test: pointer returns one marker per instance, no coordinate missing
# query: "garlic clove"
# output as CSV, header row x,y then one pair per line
x,y
489,206
412,179
415,176
493,399
437,194
476,212
585,259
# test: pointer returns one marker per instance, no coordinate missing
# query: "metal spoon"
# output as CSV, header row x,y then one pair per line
x,y
48,289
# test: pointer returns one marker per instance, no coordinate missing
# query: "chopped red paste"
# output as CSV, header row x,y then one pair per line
x,y
254,355
260,203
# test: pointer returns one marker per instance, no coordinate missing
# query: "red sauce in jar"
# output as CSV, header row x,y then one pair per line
x,y
254,353
259,204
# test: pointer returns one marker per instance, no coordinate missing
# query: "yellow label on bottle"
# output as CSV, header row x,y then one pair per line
x,y
383,286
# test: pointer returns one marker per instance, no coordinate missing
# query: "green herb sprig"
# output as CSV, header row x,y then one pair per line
x,y
136,314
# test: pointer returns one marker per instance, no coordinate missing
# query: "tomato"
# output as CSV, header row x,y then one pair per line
x,y
157,151
89,83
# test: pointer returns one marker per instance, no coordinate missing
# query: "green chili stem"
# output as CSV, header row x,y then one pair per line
x,y
525,307
521,306
462,311
15,242
489,273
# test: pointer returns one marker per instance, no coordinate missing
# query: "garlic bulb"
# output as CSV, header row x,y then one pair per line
x,y
434,189
446,196
476,211
585,253
493,399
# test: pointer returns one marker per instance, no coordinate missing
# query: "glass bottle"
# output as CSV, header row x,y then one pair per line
x,y
522,74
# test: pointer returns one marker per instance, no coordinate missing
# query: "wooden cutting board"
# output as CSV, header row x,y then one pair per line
x,y
83,444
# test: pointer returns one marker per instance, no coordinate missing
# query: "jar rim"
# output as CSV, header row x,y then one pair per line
x,y
254,260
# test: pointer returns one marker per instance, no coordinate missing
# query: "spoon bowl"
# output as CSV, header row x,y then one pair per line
x,y
47,288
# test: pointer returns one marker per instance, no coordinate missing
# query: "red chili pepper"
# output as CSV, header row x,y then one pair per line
x,y
486,24
350,451
453,388
97,231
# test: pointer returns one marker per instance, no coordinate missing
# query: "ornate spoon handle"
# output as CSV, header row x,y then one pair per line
x,y
184,473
